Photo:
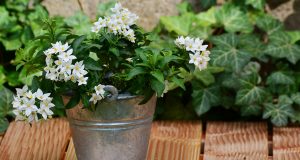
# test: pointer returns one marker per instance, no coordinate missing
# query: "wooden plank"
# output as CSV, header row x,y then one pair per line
x,y
286,143
236,141
42,140
175,140
70,154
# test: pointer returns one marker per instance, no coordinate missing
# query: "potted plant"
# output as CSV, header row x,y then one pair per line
x,y
108,81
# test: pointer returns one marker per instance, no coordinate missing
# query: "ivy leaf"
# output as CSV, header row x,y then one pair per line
x,y
258,4
204,99
207,3
269,24
207,18
280,46
279,113
3,125
251,110
250,94
228,54
233,19
178,24
79,22
6,98
296,98
280,77
204,76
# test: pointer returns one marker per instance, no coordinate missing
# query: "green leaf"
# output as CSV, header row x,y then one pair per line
x,y
158,75
269,24
91,64
179,82
250,94
205,77
204,99
79,22
135,71
207,3
233,19
294,35
280,77
2,76
183,7
257,4
296,98
207,18
281,46
175,23
6,98
73,101
279,113
157,86
3,124
13,79
228,54
251,110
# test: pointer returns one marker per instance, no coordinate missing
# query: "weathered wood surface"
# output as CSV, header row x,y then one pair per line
x,y
236,141
169,140
286,143
44,140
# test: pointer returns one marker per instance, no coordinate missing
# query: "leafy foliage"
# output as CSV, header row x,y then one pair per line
x,y
6,97
258,62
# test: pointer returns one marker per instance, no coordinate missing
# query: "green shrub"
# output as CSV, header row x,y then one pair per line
x,y
254,67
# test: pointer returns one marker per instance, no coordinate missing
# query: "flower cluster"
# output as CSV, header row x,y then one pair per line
x,y
26,103
118,23
99,93
59,65
200,56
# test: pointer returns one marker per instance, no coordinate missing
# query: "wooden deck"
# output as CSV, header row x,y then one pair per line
x,y
170,140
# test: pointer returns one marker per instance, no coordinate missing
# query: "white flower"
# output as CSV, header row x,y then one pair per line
x,y
180,42
19,115
22,92
202,65
117,8
63,69
29,107
66,56
17,102
82,80
30,95
26,105
118,23
45,108
59,47
195,58
199,56
95,98
79,69
41,96
66,68
100,89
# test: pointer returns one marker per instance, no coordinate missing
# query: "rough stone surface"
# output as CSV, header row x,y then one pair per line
x,y
61,7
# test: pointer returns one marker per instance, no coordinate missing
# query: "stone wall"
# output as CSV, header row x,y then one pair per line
x,y
149,11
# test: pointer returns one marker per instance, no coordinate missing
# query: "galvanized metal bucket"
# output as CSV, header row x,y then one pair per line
x,y
119,129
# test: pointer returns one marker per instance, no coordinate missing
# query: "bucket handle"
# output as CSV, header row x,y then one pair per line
x,y
113,92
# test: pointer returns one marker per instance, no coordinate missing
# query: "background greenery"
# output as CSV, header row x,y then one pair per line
x,y
253,73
